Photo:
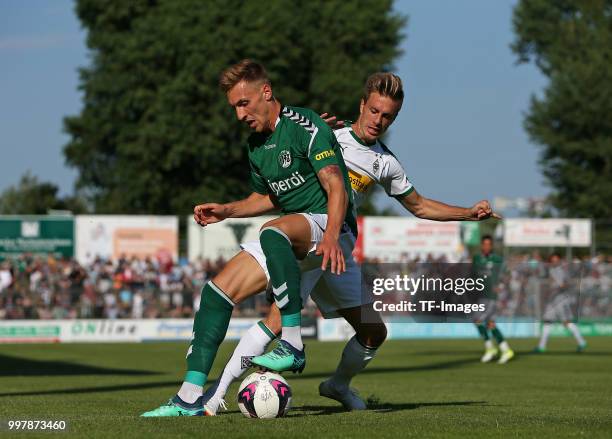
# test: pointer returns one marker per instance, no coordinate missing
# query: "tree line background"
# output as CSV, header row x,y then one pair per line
x,y
156,136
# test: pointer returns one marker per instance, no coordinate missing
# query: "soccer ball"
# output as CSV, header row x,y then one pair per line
x,y
264,395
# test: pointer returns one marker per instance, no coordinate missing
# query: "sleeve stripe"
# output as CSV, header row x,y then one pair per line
x,y
408,192
303,122
312,140
300,120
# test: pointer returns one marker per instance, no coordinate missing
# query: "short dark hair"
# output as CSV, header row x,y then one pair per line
x,y
486,237
245,70
385,84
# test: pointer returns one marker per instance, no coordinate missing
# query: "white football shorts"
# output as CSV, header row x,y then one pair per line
x,y
329,291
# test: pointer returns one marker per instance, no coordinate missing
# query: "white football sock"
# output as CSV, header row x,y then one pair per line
x,y
504,346
489,344
544,338
572,327
190,392
252,343
355,358
293,334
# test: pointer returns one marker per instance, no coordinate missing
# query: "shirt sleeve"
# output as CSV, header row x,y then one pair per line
x,y
395,181
258,183
323,148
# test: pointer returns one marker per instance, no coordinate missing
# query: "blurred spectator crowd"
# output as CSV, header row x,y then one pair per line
x,y
527,283
49,288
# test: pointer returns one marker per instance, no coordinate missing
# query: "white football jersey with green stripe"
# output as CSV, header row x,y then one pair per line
x,y
368,165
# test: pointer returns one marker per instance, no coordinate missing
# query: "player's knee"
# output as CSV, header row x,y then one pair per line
x,y
372,335
273,224
491,324
224,283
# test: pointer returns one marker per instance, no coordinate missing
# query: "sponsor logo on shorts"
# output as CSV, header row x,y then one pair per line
x,y
325,154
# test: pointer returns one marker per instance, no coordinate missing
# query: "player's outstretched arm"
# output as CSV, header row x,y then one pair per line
x,y
426,208
254,205
337,201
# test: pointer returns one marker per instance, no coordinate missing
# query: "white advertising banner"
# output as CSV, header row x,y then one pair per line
x,y
549,232
181,329
112,236
106,330
222,239
392,239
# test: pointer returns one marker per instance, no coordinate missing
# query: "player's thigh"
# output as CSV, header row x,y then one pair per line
x,y
367,323
355,305
566,312
297,229
339,291
487,314
241,277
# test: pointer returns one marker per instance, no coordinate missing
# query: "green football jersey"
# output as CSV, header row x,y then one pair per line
x,y
285,163
488,267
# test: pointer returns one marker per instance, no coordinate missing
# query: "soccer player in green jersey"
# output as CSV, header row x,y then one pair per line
x,y
296,165
488,265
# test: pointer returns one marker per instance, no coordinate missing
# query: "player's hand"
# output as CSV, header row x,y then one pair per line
x,y
482,211
332,253
209,213
332,121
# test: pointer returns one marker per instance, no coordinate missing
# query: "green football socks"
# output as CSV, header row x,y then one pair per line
x,y
499,338
285,277
484,332
209,329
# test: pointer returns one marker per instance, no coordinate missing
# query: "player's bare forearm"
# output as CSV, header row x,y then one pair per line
x,y
337,199
254,205
426,208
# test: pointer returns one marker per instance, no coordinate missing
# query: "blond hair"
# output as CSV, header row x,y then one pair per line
x,y
385,84
245,70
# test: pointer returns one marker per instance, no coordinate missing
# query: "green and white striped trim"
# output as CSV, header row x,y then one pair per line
x,y
281,295
277,230
266,330
220,292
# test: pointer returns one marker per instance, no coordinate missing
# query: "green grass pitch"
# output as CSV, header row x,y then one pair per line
x,y
419,389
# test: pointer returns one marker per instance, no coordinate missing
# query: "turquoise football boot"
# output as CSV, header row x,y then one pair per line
x,y
284,357
177,407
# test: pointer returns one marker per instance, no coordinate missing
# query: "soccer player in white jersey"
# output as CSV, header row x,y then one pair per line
x,y
559,306
369,162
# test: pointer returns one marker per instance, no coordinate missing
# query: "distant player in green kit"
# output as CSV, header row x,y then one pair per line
x,y
296,166
488,265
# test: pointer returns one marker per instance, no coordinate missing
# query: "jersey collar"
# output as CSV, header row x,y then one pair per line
x,y
358,139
